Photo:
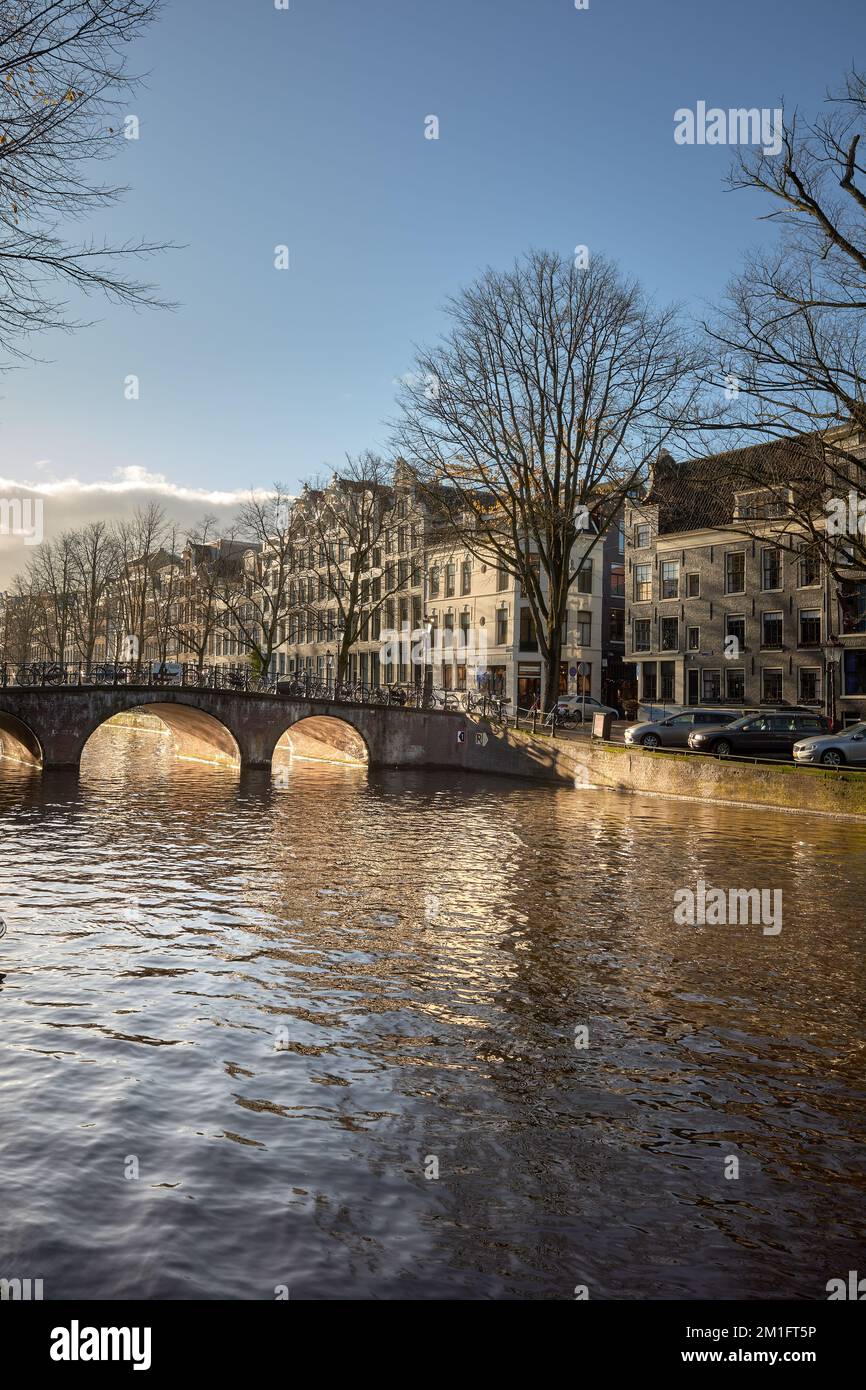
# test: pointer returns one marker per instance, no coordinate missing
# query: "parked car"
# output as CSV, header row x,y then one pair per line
x,y
771,734
572,707
832,750
673,732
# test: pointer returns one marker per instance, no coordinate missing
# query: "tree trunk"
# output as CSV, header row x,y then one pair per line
x,y
550,693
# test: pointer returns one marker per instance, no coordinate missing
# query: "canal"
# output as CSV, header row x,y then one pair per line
x,y
383,1034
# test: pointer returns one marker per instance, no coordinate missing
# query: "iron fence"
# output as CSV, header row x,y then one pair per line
x,y
191,676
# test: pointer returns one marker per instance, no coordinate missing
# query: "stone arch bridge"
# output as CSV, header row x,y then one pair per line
x,y
51,725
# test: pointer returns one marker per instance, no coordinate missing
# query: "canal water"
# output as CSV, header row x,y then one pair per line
x,y
326,1039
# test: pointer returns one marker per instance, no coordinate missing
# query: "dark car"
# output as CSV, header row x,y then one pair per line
x,y
771,734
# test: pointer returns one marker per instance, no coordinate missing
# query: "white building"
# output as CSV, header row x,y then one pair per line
x,y
482,632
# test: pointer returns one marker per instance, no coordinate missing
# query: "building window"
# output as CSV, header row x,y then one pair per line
x,y
642,635
643,583
852,605
771,569
810,627
584,577
771,685
466,577
693,586
501,627
528,635
693,639
617,581
809,568
434,582
810,685
670,577
650,688
735,626
771,630
450,580
617,624
735,572
583,631
735,684
641,537
854,673
501,580
670,634
711,686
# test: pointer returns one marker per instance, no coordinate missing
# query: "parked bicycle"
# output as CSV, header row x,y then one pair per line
x,y
40,673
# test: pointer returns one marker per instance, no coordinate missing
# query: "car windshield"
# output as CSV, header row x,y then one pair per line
x,y
855,729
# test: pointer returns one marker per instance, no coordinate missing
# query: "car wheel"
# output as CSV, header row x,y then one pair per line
x,y
650,741
832,758
722,749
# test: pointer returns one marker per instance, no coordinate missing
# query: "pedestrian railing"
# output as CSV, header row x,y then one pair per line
x,y
190,676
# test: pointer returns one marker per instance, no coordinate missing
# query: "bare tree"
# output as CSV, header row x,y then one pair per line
x,y
792,330
94,571
24,625
51,576
211,562
140,550
62,77
346,520
554,389
165,594
255,595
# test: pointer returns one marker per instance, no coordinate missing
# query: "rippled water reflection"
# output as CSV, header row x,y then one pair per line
x,y
429,945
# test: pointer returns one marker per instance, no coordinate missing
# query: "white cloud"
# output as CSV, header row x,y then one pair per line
x,y
69,503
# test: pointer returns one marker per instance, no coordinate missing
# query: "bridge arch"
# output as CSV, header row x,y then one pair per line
x,y
322,738
197,734
18,742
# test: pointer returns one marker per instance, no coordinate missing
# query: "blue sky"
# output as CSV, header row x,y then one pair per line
x,y
306,127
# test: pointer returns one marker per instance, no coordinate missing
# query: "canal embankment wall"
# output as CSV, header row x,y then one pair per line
x,y
684,776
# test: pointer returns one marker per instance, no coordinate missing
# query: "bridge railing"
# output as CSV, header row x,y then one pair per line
x,y
190,676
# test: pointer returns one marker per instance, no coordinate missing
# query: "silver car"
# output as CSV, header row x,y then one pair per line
x,y
673,731
574,707
833,750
